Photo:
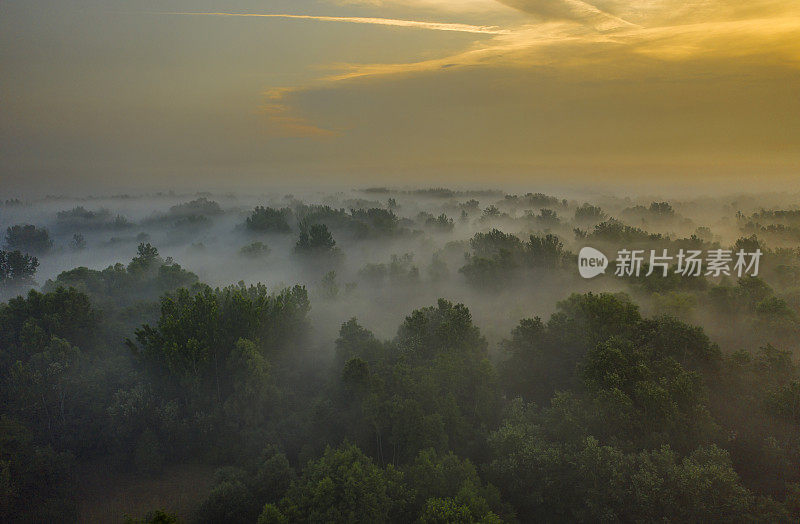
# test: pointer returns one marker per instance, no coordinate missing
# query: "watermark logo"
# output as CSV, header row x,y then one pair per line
x,y
591,262
691,263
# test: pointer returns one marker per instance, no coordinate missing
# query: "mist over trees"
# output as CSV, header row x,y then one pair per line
x,y
392,355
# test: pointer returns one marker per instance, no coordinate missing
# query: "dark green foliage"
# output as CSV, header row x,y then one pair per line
x,y
400,269
470,206
269,220
146,278
136,416
532,200
433,387
28,239
81,219
494,243
748,244
443,329
28,324
439,223
617,233
549,479
198,207
355,341
544,358
637,397
229,501
752,397
784,402
272,515
315,239
673,281
127,295
498,258
374,222
146,256
753,305
490,213
546,219
16,269
381,221
546,252
662,209
318,214
657,212
50,380
589,215
210,355
743,297
37,484
197,332
240,494
443,485
195,214
345,486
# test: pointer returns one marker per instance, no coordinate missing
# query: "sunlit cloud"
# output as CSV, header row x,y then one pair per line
x,y
563,34
444,6
413,24
576,10
280,116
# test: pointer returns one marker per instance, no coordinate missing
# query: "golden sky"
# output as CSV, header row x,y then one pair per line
x,y
391,92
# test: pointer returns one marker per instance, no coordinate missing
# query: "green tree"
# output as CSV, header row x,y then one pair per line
x,y
28,239
582,480
269,220
146,258
543,357
344,485
589,215
37,484
443,484
17,269
315,238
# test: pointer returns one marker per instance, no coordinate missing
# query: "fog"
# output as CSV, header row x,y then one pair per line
x,y
208,241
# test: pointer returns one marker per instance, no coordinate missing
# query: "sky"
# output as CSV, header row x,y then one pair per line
x,y
231,94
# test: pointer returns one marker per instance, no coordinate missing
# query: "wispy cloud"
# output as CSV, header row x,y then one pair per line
x,y
482,7
567,35
414,24
576,10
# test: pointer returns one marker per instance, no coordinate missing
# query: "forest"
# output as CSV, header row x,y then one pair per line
x,y
374,355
